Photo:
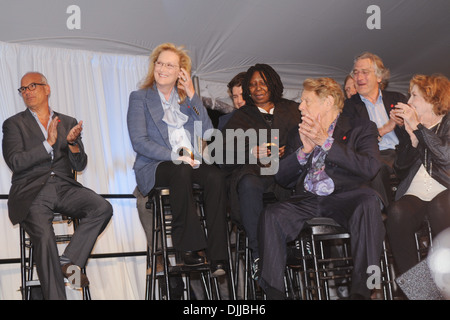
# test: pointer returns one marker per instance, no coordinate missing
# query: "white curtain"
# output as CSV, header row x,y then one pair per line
x,y
93,87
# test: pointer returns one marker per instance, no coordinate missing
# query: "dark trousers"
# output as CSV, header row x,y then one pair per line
x,y
187,234
405,217
251,189
60,196
382,181
357,210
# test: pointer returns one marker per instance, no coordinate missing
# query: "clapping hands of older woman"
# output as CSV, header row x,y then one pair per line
x,y
409,118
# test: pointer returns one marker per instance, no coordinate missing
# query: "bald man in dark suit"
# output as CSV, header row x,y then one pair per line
x,y
43,148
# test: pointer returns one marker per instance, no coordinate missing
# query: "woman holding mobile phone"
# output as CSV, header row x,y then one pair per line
x,y
161,117
270,117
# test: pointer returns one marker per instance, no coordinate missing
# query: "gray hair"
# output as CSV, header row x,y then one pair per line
x,y
380,70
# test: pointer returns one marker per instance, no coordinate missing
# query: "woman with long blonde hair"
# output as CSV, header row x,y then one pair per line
x,y
161,118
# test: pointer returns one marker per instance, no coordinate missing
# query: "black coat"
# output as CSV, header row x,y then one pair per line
x,y
352,161
286,117
354,107
409,159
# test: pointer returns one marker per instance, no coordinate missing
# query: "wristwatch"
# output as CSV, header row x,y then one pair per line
x,y
72,143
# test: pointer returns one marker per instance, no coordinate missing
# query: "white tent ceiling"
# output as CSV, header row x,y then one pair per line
x,y
299,38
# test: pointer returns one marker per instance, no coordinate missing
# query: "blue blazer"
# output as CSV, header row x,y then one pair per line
x,y
150,136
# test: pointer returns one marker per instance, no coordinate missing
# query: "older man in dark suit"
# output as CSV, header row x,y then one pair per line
x,y
373,102
43,148
332,158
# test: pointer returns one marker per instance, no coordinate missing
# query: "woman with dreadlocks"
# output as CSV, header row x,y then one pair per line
x,y
252,154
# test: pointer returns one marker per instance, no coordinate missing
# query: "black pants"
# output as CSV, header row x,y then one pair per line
x,y
357,210
404,218
187,234
251,190
63,197
382,181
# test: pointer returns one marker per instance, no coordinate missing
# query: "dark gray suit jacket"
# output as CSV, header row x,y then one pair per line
x,y
354,107
31,165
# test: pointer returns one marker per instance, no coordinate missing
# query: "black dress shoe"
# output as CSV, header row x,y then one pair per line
x,y
217,268
192,258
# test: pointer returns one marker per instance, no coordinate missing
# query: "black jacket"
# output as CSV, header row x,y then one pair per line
x,y
286,117
354,107
352,161
409,159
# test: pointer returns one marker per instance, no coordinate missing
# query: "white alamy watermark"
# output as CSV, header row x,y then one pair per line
x,y
75,276
73,22
232,147
374,279
374,20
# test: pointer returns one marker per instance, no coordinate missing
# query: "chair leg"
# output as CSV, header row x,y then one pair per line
x,y
305,254
289,283
23,273
156,233
249,290
29,270
231,270
325,287
386,278
237,259
147,276
316,269
160,210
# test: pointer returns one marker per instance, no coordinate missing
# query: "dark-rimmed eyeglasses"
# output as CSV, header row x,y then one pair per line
x,y
31,87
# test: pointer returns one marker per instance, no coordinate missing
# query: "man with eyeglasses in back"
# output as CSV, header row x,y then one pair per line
x,y
43,148
373,102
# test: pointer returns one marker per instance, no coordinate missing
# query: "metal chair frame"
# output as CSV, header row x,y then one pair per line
x,y
316,269
158,201
242,256
27,264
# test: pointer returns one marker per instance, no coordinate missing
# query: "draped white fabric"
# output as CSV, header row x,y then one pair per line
x,y
95,88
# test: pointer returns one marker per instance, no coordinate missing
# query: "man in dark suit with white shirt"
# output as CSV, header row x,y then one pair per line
x,y
43,148
373,102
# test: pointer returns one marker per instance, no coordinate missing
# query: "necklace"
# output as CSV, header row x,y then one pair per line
x,y
429,167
